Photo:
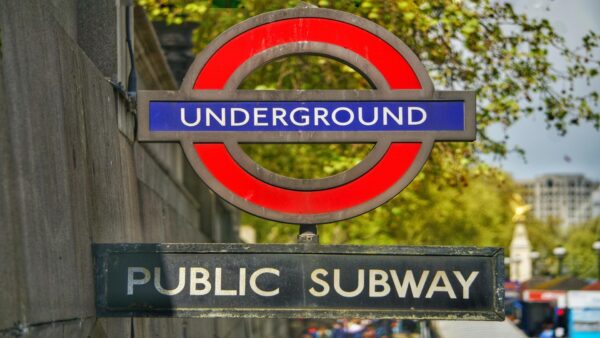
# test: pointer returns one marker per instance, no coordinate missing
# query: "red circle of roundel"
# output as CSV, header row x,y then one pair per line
x,y
235,52
230,56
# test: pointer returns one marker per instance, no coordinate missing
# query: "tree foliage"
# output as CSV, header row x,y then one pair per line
x,y
581,260
429,212
544,237
478,44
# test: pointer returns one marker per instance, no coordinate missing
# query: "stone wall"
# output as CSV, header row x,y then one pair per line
x,y
72,174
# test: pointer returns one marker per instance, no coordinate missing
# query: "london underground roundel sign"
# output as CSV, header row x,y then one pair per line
x,y
403,115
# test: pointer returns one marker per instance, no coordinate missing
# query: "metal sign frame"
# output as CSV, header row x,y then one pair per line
x,y
104,254
411,148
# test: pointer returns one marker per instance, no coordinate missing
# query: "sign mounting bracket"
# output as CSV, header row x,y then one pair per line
x,y
308,234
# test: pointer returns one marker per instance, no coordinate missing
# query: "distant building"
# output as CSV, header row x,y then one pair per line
x,y
596,203
567,197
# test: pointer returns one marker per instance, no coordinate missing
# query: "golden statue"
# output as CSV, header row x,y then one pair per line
x,y
519,207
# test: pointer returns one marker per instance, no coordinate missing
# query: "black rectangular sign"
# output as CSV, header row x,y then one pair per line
x,y
299,280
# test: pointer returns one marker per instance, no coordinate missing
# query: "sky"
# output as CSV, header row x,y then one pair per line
x,y
546,151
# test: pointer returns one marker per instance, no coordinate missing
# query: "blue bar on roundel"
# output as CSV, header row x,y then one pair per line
x,y
310,116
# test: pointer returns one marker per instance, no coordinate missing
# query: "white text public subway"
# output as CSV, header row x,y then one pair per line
x,y
369,282
302,116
